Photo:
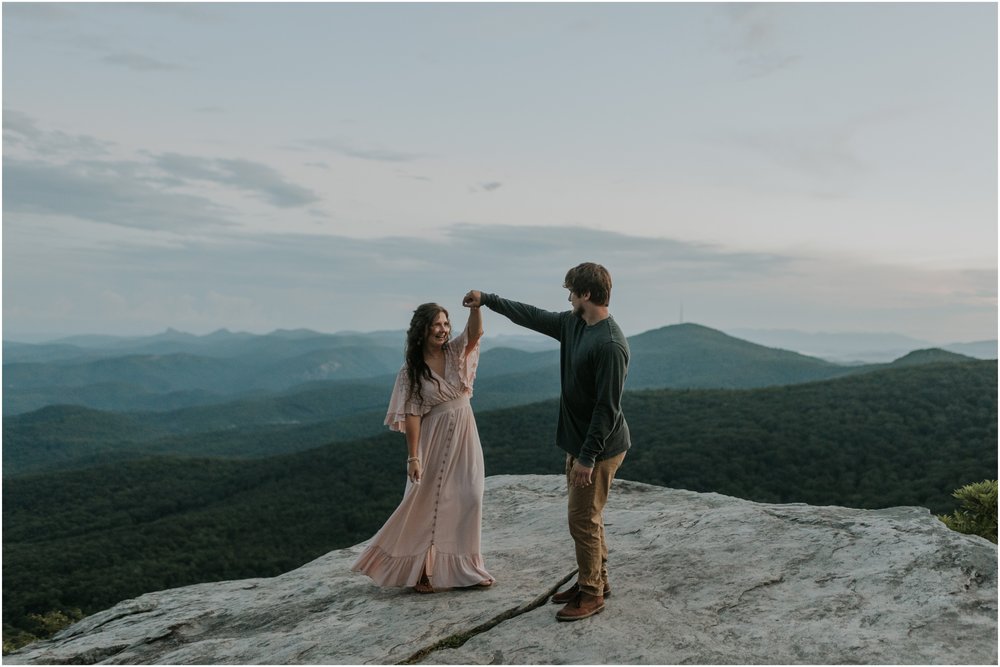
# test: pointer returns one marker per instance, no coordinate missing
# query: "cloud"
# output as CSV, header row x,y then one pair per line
x,y
756,40
822,153
496,246
139,194
364,152
759,65
225,278
139,62
52,172
201,13
258,179
111,193
20,130
413,177
824,159
42,12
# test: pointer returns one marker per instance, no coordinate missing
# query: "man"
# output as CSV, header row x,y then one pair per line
x,y
592,430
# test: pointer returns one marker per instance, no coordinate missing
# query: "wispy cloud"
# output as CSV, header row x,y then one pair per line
x,y
71,175
258,179
332,283
42,12
21,131
825,154
374,153
402,173
139,62
524,247
105,193
189,12
824,159
755,40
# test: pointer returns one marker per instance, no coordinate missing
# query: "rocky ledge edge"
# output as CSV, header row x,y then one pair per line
x,y
697,578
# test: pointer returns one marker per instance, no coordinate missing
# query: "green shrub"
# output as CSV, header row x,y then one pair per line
x,y
978,513
43,626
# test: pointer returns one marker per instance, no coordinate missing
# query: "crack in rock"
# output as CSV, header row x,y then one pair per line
x,y
739,600
459,638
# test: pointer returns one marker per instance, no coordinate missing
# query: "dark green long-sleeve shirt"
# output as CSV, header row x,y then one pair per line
x,y
593,362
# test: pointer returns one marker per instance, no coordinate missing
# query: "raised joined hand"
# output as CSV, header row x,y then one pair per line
x,y
474,299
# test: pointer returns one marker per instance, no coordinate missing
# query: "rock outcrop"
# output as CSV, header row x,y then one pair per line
x,y
697,578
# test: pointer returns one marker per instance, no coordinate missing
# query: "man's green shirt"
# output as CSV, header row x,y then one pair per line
x,y
593,363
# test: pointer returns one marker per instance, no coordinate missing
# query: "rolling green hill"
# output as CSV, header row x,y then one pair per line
x,y
175,370
88,538
134,382
693,356
677,356
929,356
314,413
67,436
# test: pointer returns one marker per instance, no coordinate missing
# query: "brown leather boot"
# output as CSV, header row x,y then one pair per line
x,y
570,593
583,606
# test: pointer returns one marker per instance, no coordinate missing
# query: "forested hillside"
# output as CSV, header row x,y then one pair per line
x,y
89,538
174,371
188,406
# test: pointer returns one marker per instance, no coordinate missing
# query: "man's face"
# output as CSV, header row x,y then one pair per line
x,y
577,302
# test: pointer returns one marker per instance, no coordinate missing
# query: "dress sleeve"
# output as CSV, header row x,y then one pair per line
x,y
399,405
466,363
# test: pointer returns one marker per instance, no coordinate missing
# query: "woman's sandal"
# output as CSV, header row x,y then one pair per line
x,y
424,586
486,583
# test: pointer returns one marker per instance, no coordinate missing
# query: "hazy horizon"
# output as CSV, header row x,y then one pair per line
x,y
824,167
737,332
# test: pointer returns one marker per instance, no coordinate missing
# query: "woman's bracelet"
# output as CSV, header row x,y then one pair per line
x,y
412,459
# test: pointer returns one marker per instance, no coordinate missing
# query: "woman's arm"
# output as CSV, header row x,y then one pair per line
x,y
413,463
473,328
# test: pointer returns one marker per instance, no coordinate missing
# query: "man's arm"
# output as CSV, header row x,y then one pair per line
x,y
543,321
612,366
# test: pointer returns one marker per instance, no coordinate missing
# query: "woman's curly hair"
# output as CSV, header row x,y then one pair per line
x,y
416,367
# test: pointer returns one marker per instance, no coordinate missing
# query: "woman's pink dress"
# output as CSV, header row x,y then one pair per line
x,y
437,524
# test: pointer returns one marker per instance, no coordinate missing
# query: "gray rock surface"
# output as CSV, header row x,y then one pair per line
x,y
697,578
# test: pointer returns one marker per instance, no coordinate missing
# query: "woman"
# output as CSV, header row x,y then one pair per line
x,y
432,539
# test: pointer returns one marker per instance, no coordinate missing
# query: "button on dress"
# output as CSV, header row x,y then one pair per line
x,y
437,526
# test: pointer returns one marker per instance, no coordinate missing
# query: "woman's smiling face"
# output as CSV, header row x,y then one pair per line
x,y
438,330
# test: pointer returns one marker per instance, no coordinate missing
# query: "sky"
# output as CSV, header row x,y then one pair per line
x,y
821,167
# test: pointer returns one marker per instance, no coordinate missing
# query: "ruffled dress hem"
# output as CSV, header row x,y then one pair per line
x,y
446,570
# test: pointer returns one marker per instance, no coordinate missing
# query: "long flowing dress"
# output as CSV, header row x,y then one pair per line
x,y
437,526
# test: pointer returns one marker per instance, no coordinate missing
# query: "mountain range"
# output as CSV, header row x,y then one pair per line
x,y
250,396
175,370
858,348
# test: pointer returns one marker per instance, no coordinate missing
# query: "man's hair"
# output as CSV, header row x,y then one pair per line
x,y
592,278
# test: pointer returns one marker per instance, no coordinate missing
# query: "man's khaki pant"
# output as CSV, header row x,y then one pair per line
x,y
586,523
